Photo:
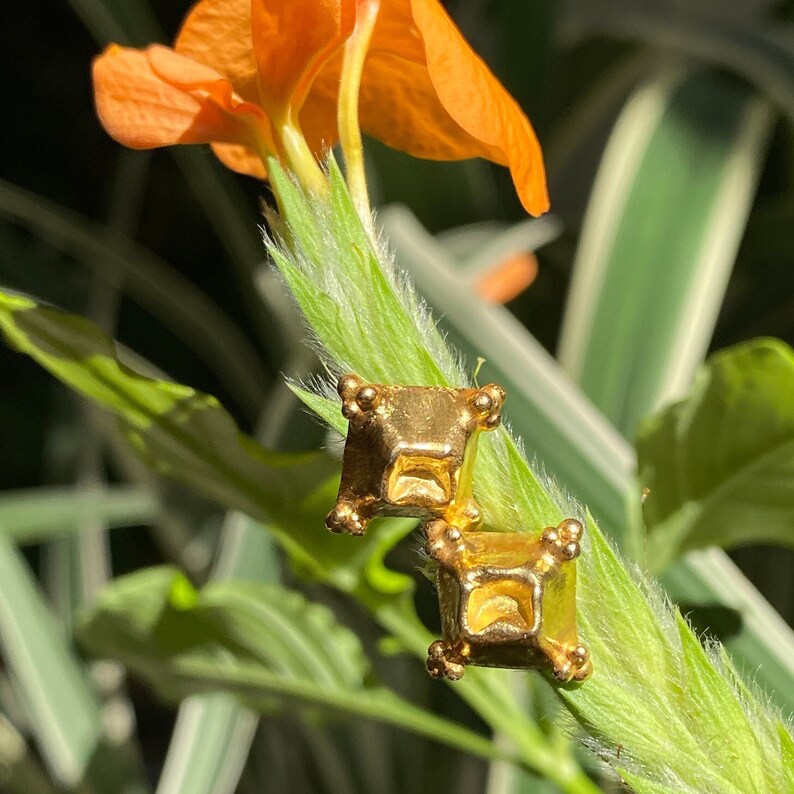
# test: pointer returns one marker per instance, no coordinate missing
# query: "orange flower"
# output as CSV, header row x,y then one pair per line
x,y
260,77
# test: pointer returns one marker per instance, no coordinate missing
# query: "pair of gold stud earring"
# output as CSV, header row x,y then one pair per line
x,y
507,599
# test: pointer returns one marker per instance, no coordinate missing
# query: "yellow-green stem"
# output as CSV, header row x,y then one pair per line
x,y
300,159
356,49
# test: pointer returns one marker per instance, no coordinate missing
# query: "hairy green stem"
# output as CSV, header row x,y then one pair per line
x,y
486,693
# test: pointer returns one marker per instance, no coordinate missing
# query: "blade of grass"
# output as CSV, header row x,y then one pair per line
x,y
660,239
63,712
34,515
214,732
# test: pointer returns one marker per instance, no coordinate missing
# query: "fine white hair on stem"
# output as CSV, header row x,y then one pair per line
x,y
669,713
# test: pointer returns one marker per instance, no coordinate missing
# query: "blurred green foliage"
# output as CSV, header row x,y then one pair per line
x,y
162,251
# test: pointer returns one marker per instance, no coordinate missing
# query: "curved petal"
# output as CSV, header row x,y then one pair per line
x,y
425,91
508,278
292,41
240,159
479,103
156,97
217,33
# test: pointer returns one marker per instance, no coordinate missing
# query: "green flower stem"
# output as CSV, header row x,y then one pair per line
x,y
485,692
356,49
670,715
300,158
381,704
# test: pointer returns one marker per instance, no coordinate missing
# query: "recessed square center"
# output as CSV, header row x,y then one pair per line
x,y
505,606
419,480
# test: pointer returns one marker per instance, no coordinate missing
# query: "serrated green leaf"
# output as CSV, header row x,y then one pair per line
x,y
720,463
263,642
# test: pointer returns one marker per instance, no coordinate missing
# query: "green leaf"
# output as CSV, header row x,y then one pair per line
x,y
660,239
643,667
582,451
64,713
34,515
266,644
370,321
694,725
720,463
187,435
152,283
353,278
374,324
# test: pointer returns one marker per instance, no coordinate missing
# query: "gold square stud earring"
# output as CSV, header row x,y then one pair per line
x,y
410,452
507,600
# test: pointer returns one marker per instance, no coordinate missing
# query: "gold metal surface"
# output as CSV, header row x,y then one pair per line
x,y
507,600
409,452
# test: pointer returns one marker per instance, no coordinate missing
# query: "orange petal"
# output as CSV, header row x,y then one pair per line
x,y
508,278
156,97
479,103
217,33
240,159
292,41
425,91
